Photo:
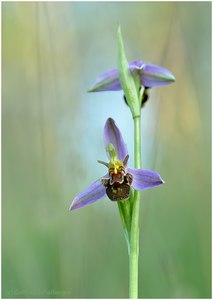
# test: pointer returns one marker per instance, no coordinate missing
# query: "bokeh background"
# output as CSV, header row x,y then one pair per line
x,y
52,136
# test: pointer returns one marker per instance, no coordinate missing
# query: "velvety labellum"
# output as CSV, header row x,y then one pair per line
x,y
117,190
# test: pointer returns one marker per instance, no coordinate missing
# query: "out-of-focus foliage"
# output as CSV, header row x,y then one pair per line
x,y
52,137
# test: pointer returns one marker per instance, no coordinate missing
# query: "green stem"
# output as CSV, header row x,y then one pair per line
x,y
134,238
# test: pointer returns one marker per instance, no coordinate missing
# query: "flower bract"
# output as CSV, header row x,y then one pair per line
x,y
116,184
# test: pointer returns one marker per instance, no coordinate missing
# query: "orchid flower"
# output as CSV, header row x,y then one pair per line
x,y
116,184
150,76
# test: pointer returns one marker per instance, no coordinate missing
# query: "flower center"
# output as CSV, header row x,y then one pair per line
x,y
116,167
119,182
116,174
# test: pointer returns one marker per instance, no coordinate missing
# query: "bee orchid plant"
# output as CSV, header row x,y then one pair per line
x,y
121,183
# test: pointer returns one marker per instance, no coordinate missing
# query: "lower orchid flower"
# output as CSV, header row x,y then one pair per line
x,y
117,183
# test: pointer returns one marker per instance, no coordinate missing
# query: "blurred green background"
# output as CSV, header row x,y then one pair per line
x,y
52,136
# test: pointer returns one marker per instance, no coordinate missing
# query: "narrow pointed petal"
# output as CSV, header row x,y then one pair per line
x,y
144,179
107,82
94,192
152,76
112,135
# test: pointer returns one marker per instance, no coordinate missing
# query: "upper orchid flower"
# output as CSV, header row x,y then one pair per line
x,y
150,76
117,182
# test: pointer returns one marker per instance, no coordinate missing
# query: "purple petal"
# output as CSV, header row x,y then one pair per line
x,y
94,192
144,179
112,135
152,76
136,65
107,82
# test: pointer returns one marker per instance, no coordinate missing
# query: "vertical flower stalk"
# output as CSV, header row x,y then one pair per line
x,y
134,241
129,84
